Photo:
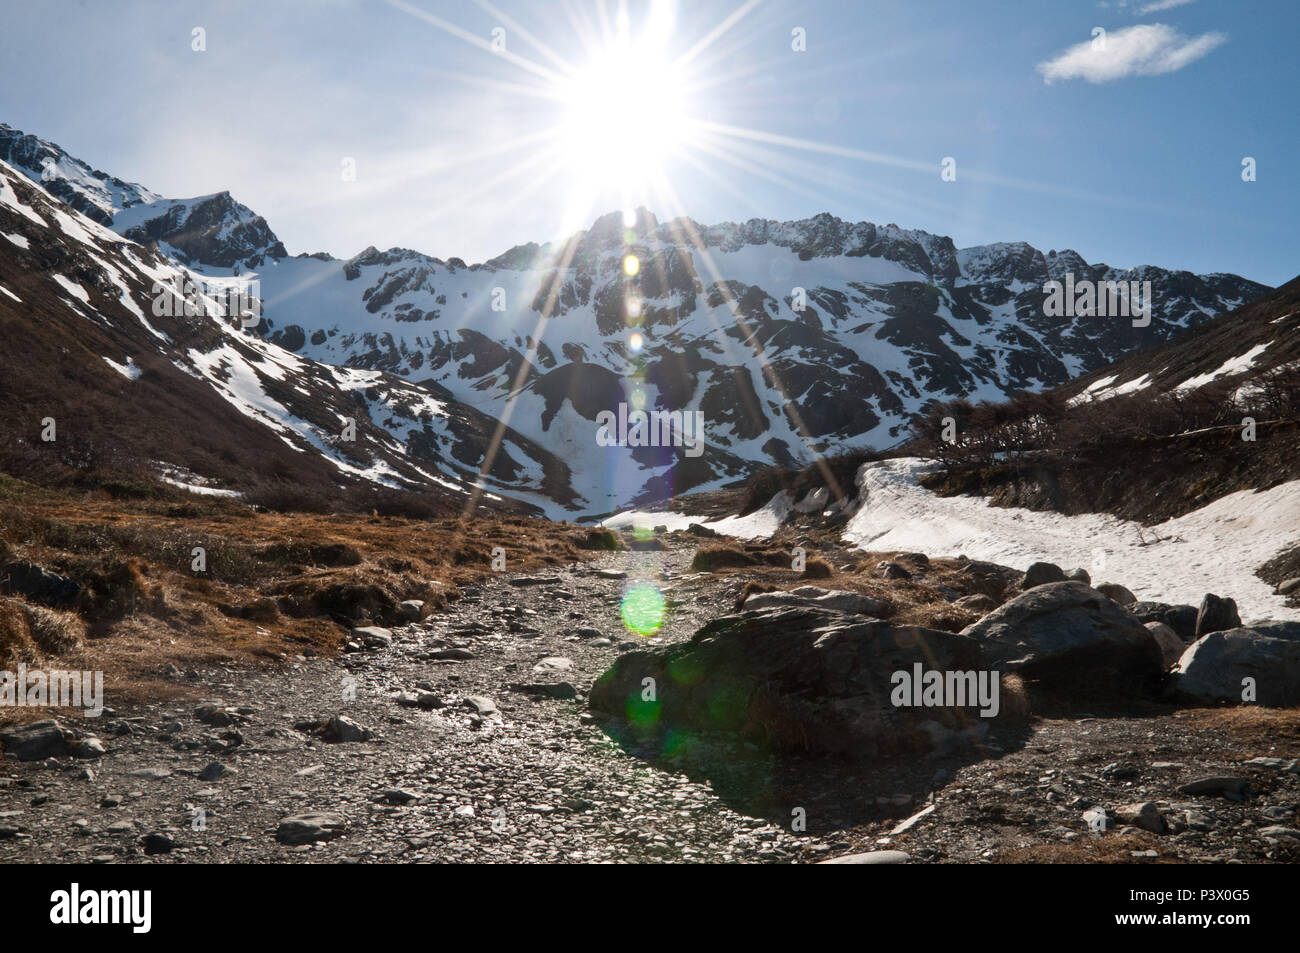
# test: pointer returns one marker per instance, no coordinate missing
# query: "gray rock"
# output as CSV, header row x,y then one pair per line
x,y
480,704
1059,630
977,602
1233,788
152,774
1099,819
340,730
452,655
816,597
1182,619
215,771
699,529
1116,593
1216,615
797,678
309,828
372,636
1078,575
871,857
412,609
892,570
157,843
1279,830
35,741
589,633
1143,814
37,584
1288,765
87,748
1171,646
1289,587
1040,573
1215,669
553,665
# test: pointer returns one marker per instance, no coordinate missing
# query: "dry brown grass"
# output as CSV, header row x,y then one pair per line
x,y
275,584
1092,849
1263,732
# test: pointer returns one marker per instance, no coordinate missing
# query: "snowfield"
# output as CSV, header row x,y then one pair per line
x,y
760,523
1214,549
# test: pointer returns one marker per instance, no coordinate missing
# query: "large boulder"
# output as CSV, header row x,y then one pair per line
x,y
1117,593
1216,615
1067,632
1217,666
799,678
36,584
1180,618
1171,646
1041,573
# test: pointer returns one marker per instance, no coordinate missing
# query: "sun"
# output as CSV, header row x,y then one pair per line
x,y
625,110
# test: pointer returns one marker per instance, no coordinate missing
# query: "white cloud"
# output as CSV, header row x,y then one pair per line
x,y
1162,5
1149,49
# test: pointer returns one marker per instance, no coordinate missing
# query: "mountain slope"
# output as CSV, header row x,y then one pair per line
x,y
1243,347
90,343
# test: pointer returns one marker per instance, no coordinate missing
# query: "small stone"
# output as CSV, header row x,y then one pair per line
x,y
309,828
157,844
341,730
215,771
480,704
1144,815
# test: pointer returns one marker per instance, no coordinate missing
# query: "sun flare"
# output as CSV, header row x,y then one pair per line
x,y
625,111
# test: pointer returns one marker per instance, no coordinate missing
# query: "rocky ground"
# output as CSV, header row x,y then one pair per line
x,y
467,738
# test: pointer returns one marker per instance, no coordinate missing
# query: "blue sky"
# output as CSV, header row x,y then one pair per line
x,y
1130,155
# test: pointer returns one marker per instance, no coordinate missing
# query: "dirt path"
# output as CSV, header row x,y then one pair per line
x,y
537,780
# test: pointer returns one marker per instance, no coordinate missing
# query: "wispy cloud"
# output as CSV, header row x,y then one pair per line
x,y
1145,8
1161,5
1148,49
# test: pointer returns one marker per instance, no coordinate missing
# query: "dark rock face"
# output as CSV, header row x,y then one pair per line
x,y
215,230
1068,633
800,679
1216,615
1259,665
38,585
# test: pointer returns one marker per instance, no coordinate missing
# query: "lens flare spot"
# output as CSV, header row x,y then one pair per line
x,y
637,399
643,609
631,266
636,342
633,309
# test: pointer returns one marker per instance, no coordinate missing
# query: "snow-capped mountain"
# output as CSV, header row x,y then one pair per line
x,y
789,338
136,359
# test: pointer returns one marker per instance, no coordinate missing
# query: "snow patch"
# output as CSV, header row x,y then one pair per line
x,y
129,370
1214,549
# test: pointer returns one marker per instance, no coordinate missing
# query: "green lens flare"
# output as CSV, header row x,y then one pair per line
x,y
643,609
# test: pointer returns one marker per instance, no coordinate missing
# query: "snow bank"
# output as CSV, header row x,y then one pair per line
x,y
761,522
1214,549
